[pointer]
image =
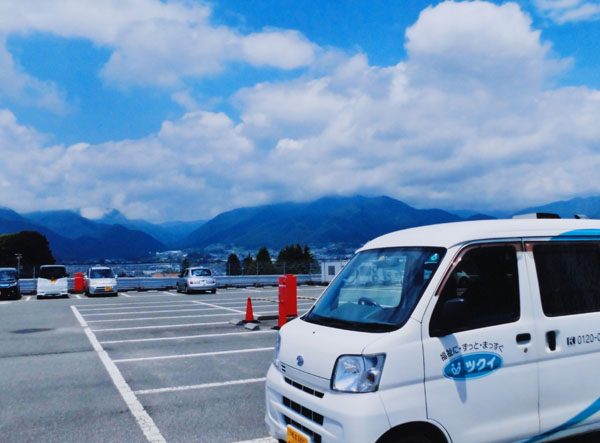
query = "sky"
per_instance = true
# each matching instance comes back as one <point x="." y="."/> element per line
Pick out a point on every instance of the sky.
<point x="183" y="109"/>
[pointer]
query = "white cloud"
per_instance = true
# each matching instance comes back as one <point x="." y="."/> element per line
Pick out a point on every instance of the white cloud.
<point x="564" y="11"/>
<point x="289" y="48"/>
<point x="18" y="86"/>
<point x="470" y="119"/>
<point x="478" y="44"/>
<point x="180" y="170"/>
<point x="155" y="42"/>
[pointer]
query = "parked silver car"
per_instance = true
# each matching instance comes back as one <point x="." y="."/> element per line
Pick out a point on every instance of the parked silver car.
<point x="196" y="279"/>
<point x="100" y="280"/>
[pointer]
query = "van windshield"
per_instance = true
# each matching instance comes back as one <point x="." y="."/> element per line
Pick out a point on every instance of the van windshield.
<point x="53" y="272"/>
<point x="102" y="273"/>
<point x="378" y="290"/>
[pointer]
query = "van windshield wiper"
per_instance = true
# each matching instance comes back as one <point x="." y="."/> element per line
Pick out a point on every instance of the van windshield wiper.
<point x="351" y="325"/>
<point x="328" y="321"/>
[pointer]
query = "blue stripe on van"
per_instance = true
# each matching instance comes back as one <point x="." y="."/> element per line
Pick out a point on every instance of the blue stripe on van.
<point x="579" y="418"/>
<point x="578" y="234"/>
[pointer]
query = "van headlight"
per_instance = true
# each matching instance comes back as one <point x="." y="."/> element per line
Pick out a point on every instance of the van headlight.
<point x="357" y="373"/>
<point x="276" y="352"/>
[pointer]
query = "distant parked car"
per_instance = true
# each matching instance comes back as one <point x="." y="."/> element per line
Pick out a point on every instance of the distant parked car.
<point x="196" y="279"/>
<point x="100" y="280"/>
<point x="9" y="283"/>
<point x="52" y="281"/>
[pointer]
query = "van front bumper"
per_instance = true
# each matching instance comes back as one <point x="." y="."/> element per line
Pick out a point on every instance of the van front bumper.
<point x="334" y="417"/>
<point x="103" y="290"/>
<point x="52" y="293"/>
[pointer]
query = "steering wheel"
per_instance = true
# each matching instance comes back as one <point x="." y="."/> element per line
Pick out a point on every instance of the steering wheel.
<point x="368" y="302"/>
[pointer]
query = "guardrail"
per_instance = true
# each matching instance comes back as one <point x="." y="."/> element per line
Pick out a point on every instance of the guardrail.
<point x="29" y="285"/>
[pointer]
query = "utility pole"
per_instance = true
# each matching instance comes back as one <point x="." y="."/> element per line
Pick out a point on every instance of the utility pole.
<point x="19" y="257"/>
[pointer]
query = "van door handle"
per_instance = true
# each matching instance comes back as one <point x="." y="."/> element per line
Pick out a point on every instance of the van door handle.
<point x="551" y="339"/>
<point x="523" y="338"/>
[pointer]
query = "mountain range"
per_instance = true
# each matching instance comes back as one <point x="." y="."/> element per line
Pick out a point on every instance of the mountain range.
<point x="348" y="221"/>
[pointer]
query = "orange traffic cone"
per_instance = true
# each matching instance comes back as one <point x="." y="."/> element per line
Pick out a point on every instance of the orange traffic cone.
<point x="249" y="313"/>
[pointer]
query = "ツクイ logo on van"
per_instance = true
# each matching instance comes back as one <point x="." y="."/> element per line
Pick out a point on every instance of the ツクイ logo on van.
<point x="478" y="364"/>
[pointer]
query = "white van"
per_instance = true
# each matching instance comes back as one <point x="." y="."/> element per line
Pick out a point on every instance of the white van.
<point x="52" y="281"/>
<point x="396" y="350"/>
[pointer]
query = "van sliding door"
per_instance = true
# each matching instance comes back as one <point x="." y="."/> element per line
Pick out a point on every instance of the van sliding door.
<point x="567" y="301"/>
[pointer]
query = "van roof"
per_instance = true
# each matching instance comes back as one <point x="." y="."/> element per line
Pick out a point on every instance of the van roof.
<point x="451" y="234"/>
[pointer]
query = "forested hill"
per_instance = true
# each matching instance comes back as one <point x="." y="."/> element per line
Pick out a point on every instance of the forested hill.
<point x="348" y="220"/>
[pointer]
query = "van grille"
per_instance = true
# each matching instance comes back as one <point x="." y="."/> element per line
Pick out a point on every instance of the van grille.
<point x="315" y="437"/>
<point x="303" y="388"/>
<point x="311" y="415"/>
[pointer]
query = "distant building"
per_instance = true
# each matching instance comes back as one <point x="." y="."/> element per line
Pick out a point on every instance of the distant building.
<point x="330" y="268"/>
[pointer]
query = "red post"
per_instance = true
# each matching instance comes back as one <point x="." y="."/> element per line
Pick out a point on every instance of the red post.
<point x="291" y="295"/>
<point x="78" y="282"/>
<point x="282" y="302"/>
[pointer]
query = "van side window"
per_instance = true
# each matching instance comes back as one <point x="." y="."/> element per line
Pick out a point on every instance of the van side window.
<point x="569" y="277"/>
<point x="486" y="283"/>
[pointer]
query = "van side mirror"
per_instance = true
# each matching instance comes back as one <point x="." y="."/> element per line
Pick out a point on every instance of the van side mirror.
<point x="453" y="316"/>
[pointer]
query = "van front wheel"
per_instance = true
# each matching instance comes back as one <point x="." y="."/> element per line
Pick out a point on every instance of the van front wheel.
<point x="405" y="439"/>
<point x="413" y="433"/>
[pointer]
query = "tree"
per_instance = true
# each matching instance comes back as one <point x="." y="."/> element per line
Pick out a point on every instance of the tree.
<point x="33" y="247"/>
<point x="293" y="259"/>
<point x="264" y="263"/>
<point x="185" y="264"/>
<point x="234" y="267"/>
<point x="248" y="265"/>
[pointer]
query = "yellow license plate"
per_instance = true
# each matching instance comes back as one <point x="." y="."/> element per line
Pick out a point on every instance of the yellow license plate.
<point x="295" y="436"/>
<point x="108" y="288"/>
<point x="52" y="281"/>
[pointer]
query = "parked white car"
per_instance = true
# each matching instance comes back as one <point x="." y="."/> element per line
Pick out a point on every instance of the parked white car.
<point x="52" y="281"/>
<point x="100" y="280"/>
<point x="196" y="279"/>
<point x="513" y="355"/>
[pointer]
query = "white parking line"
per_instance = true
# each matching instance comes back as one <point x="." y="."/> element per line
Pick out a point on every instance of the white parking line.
<point x="90" y="307"/>
<point x="240" y="302"/>
<point x="124" y="294"/>
<point x="151" y="312"/>
<point x="174" y="316"/>
<point x="126" y="306"/>
<point x="203" y="386"/>
<point x="220" y="307"/>
<point x="31" y="297"/>
<point x="200" y="354"/>
<point x="186" y="337"/>
<point x="144" y="420"/>
<point x="185" y="325"/>
<point x="260" y="440"/>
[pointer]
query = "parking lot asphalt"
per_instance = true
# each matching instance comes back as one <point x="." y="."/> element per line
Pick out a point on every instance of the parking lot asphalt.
<point x="143" y="366"/>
